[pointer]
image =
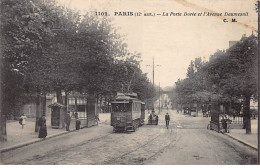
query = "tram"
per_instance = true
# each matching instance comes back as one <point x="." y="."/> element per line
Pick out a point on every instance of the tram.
<point x="127" y="113"/>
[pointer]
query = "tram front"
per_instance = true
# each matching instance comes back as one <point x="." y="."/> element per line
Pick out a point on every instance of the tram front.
<point x="120" y="113"/>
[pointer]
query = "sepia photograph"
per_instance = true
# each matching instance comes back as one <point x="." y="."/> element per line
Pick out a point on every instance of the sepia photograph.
<point x="129" y="82"/>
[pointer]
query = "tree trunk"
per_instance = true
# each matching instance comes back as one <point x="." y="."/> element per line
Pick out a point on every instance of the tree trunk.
<point x="97" y="105"/>
<point x="38" y="111"/>
<point x="100" y="103"/>
<point x="106" y="105"/>
<point x="62" y="111"/>
<point x="246" y="112"/>
<point x="3" y="134"/>
<point x="40" y="108"/>
<point x="43" y="104"/>
<point x="76" y="104"/>
<point x="66" y="101"/>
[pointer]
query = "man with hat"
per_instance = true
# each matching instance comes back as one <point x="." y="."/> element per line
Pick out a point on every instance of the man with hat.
<point x="167" y="119"/>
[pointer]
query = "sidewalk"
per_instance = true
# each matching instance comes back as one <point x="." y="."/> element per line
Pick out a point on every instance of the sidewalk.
<point x="240" y="135"/>
<point x="247" y="139"/>
<point x="18" y="137"/>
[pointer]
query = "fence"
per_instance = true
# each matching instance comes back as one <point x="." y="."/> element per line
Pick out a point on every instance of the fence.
<point x="237" y="122"/>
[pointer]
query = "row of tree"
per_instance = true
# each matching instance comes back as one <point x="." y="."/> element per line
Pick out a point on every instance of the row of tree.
<point x="48" y="48"/>
<point x="230" y="74"/>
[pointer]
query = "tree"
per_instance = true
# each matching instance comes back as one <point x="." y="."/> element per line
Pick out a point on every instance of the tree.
<point x="50" y="48"/>
<point x="191" y="70"/>
<point x="233" y="73"/>
<point x="97" y="41"/>
<point x="22" y="29"/>
<point x="243" y="73"/>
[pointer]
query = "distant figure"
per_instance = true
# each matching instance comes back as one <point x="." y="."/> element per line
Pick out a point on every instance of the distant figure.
<point x="76" y="115"/>
<point x="150" y="119"/>
<point x="22" y="120"/>
<point x="167" y="119"/>
<point x="254" y="116"/>
<point x="77" y="121"/>
<point x="156" y="119"/>
<point x="234" y="115"/>
<point x="153" y="112"/>
<point x="43" y="128"/>
<point x="224" y="124"/>
<point x="97" y="119"/>
<point x="67" y="121"/>
<point x="228" y="122"/>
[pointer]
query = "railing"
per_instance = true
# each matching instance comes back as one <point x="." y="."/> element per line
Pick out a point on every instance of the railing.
<point x="236" y="119"/>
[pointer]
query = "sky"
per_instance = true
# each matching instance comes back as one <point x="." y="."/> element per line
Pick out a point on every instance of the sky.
<point x="174" y="41"/>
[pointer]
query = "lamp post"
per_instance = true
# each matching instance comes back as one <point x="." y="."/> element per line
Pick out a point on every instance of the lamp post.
<point x="153" y="76"/>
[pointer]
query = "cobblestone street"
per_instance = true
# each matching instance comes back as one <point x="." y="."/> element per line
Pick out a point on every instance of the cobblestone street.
<point x="187" y="141"/>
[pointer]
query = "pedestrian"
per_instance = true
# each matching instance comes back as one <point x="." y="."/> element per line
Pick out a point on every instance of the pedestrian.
<point x="97" y="119"/>
<point x="234" y="115"/>
<point x="22" y="120"/>
<point x="223" y="122"/>
<point x="150" y="119"/>
<point x="228" y="122"/>
<point x="77" y="121"/>
<point x="226" y="119"/>
<point x="76" y="115"/>
<point x="43" y="128"/>
<point x="167" y="119"/>
<point x="156" y="119"/>
<point x="67" y="121"/>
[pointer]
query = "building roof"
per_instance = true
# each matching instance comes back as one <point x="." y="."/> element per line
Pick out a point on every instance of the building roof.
<point x="56" y="105"/>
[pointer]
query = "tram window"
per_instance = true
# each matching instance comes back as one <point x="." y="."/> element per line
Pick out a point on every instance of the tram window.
<point x="120" y="107"/>
<point x="81" y="107"/>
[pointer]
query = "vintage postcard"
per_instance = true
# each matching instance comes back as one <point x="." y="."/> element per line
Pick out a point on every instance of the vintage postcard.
<point x="129" y="82"/>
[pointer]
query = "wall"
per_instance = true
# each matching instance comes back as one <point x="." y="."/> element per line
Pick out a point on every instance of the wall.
<point x="29" y="110"/>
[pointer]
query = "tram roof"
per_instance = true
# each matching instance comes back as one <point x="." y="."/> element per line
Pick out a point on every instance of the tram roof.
<point x="126" y="98"/>
<point x="120" y="102"/>
<point x="126" y="101"/>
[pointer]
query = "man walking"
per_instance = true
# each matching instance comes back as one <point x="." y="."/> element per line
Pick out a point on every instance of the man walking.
<point x="167" y="119"/>
<point x="67" y="121"/>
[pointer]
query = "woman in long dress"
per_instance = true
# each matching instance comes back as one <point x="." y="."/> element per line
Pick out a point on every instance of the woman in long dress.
<point x="43" y="128"/>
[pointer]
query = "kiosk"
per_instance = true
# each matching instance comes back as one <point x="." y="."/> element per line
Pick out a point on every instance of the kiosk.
<point x="57" y="115"/>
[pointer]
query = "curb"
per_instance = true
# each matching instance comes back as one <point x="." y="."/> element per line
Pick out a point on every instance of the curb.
<point x="36" y="140"/>
<point x="246" y="144"/>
